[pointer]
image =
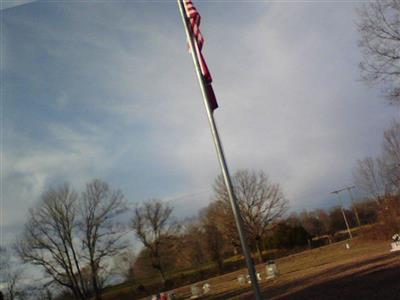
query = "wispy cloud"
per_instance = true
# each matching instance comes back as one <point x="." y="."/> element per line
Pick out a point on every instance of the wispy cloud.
<point x="108" y="90"/>
<point x="69" y="155"/>
<point x="6" y="4"/>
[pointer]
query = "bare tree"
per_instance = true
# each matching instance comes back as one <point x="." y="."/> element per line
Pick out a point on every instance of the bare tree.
<point x="212" y="235"/>
<point x="337" y="222"/>
<point x="48" y="240"/>
<point x="368" y="211"/>
<point x="10" y="276"/>
<point x="379" y="29"/>
<point x="123" y="264"/>
<point x="311" y="223"/>
<point x="378" y="177"/>
<point x="193" y="245"/>
<point x="45" y="294"/>
<point x="214" y="244"/>
<point x="293" y="219"/>
<point x="220" y="214"/>
<point x="369" y="178"/>
<point x="324" y="220"/>
<point x="260" y="201"/>
<point x="71" y="237"/>
<point x="99" y="208"/>
<point x="154" y="226"/>
<point x="42" y="292"/>
<point x="390" y="158"/>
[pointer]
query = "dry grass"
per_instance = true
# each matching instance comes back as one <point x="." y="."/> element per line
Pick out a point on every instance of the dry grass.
<point x="297" y="272"/>
<point x="298" y="267"/>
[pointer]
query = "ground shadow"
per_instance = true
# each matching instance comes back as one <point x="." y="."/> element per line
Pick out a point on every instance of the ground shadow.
<point x="374" y="278"/>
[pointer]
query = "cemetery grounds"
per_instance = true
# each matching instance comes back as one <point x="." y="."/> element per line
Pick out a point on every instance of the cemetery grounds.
<point x="368" y="270"/>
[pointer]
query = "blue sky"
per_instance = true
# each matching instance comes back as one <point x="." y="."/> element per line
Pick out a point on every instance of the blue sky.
<point x="107" y="90"/>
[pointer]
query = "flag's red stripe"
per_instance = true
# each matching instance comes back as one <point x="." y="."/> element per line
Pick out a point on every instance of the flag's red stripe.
<point x="194" y="19"/>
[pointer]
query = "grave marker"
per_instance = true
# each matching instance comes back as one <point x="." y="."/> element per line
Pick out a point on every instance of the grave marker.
<point x="206" y="288"/>
<point x="272" y="271"/>
<point x="396" y="243"/>
<point x="195" y="291"/>
<point x="241" y="280"/>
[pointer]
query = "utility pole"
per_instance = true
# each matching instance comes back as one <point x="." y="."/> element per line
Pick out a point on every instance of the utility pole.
<point x="349" y="188"/>
<point x="343" y="213"/>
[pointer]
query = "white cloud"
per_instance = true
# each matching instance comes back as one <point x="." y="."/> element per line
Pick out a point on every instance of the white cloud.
<point x="286" y="81"/>
<point x="290" y="103"/>
<point x="13" y="3"/>
<point x="75" y="157"/>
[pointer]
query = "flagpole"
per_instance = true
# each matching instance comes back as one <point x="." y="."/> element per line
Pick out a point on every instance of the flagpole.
<point x="220" y="153"/>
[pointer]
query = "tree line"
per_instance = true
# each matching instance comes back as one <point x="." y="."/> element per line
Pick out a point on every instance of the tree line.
<point x="380" y="176"/>
<point x="211" y="236"/>
<point x="79" y="240"/>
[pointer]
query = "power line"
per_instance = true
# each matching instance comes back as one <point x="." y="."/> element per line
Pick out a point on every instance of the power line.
<point x="180" y="197"/>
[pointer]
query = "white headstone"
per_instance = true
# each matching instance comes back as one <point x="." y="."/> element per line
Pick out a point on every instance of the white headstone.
<point x="272" y="271"/>
<point x="206" y="288"/>
<point x="396" y="242"/>
<point x="258" y="276"/>
<point x="171" y="296"/>
<point x="395" y="247"/>
<point x="241" y="280"/>
<point x="195" y="291"/>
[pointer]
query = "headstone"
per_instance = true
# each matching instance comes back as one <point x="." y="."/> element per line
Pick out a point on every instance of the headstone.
<point x="171" y="296"/>
<point x="195" y="291"/>
<point x="206" y="288"/>
<point x="241" y="280"/>
<point x="271" y="269"/>
<point x="395" y="243"/>
<point x="258" y="276"/>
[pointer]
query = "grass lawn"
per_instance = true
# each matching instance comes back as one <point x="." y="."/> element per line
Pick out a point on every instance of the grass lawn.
<point x="297" y="272"/>
<point x="293" y="268"/>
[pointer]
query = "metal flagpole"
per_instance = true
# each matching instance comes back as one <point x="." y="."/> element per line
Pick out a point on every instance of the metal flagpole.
<point x="221" y="157"/>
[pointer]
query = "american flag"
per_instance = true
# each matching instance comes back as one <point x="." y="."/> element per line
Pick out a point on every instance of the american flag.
<point x="194" y="19"/>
